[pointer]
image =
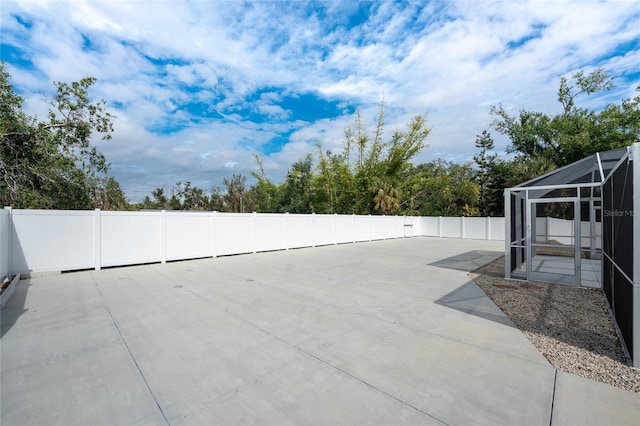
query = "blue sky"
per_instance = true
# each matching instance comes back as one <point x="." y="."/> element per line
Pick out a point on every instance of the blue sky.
<point x="198" y="87"/>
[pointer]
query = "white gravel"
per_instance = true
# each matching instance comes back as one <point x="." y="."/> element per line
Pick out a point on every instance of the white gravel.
<point x="572" y="327"/>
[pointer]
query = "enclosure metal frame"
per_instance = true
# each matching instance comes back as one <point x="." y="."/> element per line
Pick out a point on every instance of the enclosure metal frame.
<point x="635" y="157"/>
<point x="532" y="194"/>
<point x="524" y="237"/>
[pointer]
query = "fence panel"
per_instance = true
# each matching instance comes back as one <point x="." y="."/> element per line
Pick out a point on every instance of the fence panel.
<point x="497" y="228"/>
<point x="542" y="233"/>
<point x="5" y="233"/>
<point x="233" y="233"/>
<point x="270" y="232"/>
<point x="188" y="235"/>
<point x="362" y="228"/>
<point x="376" y="227"/>
<point x="411" y="226"/>
<point x="429" y="226"/>
<point x="451" y="227"/>
<point x="585" y="233"/>
<point x="129" y="238"/>
<point x="45" y="240"/>
<point x="345" y="231"/>
<point x="324" y="229"/>
<point x="299" y="230"/>
<point x="561" y="230"/>
<point x="475" y="228"/>
<point x="391" y="227"/>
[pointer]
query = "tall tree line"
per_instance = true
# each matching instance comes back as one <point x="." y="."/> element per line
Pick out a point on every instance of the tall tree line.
<point x="51" y="163"/>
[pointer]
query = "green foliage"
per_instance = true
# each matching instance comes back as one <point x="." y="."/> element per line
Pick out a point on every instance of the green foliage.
<point x="108" y="195"/>
<point x="575" y="133"/>
<point x="296" y="193"/>
<point x="372" y="179"/>
<point x="374" y="176"/>
<point x="52" y="164"/>
<point x="181" y="196"/>
<point x="265" y="194"/>
<point x="486" y="162"/>
<point x="443" y="188"/>
<point x="544" y="142"/>
<point x="236" y="200"/>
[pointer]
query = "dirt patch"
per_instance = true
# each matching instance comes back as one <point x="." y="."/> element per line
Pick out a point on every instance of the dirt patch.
<point x="5" y="284"/>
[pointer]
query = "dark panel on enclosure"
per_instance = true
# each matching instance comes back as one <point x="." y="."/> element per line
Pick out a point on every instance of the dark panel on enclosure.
<point x="617" y="243"/>
<point x="622" y="215"/>
<point x="623" y="300"/>
<point x="607" y="279"/>
<point x="607" y="248"/>
<point x="607" y="220"/>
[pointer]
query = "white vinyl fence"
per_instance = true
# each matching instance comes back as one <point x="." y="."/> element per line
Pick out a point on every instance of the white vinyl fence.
<point x="61" y="240"/>
<point x="475" y="228"/>
<point x="562" y="230"/>
<point x="5" y="243"/>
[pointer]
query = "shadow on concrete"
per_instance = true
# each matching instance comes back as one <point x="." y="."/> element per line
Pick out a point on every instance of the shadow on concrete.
<point x="470" y="299"/>
<point x="578" y="317"/>
<point x="14" y="307"/>
<point x="468" y="261"/>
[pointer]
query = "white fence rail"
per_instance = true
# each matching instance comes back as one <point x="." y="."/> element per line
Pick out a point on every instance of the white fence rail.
<point x="478" y="228"/>
<point x="51" y="240"/>
<point x="562" y="230"/>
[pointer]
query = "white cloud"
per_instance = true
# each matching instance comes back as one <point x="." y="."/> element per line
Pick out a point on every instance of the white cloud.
<point x="450" y="60"/>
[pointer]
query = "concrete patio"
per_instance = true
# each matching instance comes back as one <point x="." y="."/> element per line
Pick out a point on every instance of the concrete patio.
<point x="387" y="332"/>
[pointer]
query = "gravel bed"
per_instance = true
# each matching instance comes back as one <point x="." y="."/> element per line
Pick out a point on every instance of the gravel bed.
<point x="572" y="327"/>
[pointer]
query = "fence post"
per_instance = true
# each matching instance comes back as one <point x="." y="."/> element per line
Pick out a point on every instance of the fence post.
<point x="353" y="226"/>
<point x="253" y="231"/>
<point x="286" y="230"/>
<point x="439" y="226"/>
<point x="488" y="228"/>
<point x="370" y="239"/>
<point x="10" y="241"/>
<point x="163" y="237"/>
<point x="97" y="239"/>
<point x="546" y="230"/>
<point x="335" y="229"/>
<point x="462" y="227"/>
<point x="313" y="229"/>
<point x="214" y="225"/>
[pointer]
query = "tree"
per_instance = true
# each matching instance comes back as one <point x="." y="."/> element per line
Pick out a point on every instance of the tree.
<point x="373" y="179"/>
<point x="333" y="185"/>
<point x="489" y="187"/>
<point x="52" y="164"/>
<point x="597" y="81"/>
<point x="296" y="189"/>
<point x="576" y="132"/>
<point x="266" y="195"/>
<point x="235" y="199"/>
<point x="184" y="196"/>
<point x="443" y="188"/>
<point x="109" y="195"/>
